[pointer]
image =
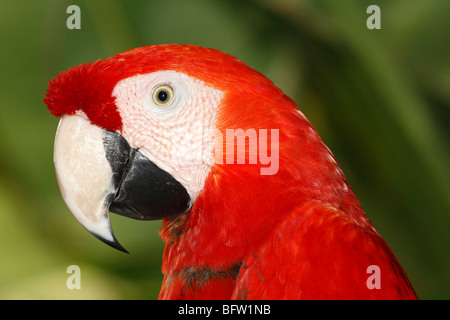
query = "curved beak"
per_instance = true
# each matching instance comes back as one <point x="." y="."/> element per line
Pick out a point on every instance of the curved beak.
<point x="98" y="172"/>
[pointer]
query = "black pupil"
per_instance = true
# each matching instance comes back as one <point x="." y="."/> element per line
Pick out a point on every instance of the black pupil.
<point x="162" y="95"/>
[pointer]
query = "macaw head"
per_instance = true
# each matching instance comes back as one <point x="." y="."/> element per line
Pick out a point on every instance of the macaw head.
<point x="154" y="132"/>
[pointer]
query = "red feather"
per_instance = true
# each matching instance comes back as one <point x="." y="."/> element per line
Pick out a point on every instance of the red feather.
<point x="318" y="252"/>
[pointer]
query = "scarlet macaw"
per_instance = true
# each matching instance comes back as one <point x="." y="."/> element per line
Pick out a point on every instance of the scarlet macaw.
<point x="254" y="204"/>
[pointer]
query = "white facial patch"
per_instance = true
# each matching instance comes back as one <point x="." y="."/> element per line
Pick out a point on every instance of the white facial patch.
<point x="177" y="137"/>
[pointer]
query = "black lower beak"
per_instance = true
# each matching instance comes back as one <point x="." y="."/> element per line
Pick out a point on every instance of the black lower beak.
<point x="143" y="190"/>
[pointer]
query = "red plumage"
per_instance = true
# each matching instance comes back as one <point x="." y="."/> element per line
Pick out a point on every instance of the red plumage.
<point x="298" y="234"/>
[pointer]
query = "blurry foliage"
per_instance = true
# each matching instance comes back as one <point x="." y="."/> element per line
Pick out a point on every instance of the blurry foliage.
<point x="379" y="98"/>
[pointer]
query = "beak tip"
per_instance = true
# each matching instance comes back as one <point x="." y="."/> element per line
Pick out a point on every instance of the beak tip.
<point x="101" y="229"/>
<point x="112" y="243"/>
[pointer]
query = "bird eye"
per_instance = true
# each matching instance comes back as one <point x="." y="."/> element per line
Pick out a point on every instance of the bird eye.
<point x="163" y="95"/>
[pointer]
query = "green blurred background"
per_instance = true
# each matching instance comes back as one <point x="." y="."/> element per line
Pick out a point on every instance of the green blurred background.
<point x="380" y="99"/>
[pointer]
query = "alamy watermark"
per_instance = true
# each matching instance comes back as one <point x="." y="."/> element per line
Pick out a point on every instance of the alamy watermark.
<point x="74" y="280"/>
<point x="74" y="20"/>
<point x="234" y="149"/>
<point x="374" y="280"/>
<point x="374" y="20"/>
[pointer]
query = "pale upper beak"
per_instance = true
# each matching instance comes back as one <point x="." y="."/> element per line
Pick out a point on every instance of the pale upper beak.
<point x="98" y="172"/>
